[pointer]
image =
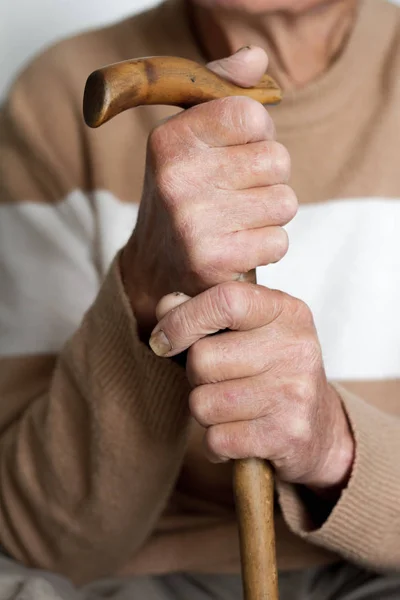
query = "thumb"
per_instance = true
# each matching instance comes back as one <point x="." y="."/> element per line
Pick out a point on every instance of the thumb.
<point x="170" y="302"/>
<point x="244" y="68"/>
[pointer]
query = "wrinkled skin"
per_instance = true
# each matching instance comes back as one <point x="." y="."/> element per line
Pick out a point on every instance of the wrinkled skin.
<point x="216" y="198"/>
<point x="260" y="389"/>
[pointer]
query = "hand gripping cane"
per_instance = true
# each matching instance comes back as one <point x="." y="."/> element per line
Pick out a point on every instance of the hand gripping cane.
<point x="184" y="83"/>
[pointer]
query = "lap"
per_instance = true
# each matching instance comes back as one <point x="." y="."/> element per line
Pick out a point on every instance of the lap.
<point x="20" y="583"/>
<point x="341" y="581"/>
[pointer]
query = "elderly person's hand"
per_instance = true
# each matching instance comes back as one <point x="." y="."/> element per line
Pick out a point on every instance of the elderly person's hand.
<point x="215" y="196"/>
<point x="260" y="389"/>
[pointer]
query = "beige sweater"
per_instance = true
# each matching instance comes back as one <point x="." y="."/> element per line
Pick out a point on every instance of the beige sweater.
<point x="101" y="468"/>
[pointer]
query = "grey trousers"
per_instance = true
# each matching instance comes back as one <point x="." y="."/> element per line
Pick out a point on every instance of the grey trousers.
<point x="340" y="581"/>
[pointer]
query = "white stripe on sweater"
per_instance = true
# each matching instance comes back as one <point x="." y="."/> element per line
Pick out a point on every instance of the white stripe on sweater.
<point x="344" y="261"/>
<point x="52" y="259"/>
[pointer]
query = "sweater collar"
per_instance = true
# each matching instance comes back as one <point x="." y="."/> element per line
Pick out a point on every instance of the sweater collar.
<point x="359" y="61"/>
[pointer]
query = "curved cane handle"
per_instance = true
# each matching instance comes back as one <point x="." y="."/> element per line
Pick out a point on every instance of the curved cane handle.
<point x="161" y="80"/>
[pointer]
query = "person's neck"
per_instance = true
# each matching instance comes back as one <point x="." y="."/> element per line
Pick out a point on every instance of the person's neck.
<point x="301" y="47"/>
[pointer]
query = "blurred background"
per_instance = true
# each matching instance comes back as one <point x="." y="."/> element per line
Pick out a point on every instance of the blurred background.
<point x="28" y="25"/>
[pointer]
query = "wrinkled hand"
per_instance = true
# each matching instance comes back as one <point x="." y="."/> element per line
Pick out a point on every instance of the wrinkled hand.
<point x="260" y="389"/>
<point x="215" y="198"/>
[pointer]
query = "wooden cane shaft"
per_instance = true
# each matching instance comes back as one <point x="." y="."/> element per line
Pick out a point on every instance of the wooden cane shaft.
<point x="180" y="82"/>
<point x="254" y="497"/>
<point x="253" y="484"/>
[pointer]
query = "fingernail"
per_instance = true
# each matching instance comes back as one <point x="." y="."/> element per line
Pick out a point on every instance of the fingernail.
<point x="160" y="344"/>
<point x="243" y="48"/>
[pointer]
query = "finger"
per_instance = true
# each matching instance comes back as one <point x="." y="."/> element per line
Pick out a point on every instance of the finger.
<point x="275" y="437"/>
<point x="244" y="68"/>
<point x="234" y="355"/>
<point x="230" y="121"/>
<point x="249" y="166"/>
<point x="242" y="400"/>
<point x="170" y="302"/>
<point x="275" y="205"/>
<point x="237" y="253"/>
<point x="225" y="122"/>
<point x="257" y="247"/>
<point x="231" y="305"/>
<point x="243" y="439"/>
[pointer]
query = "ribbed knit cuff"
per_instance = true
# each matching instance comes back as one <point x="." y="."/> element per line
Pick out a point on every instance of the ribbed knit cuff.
<point x="364" y="525"/>
<point x="125" y="370"/>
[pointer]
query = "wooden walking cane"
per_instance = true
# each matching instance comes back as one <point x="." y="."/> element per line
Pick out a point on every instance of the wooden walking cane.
<point x="183" y="83"/>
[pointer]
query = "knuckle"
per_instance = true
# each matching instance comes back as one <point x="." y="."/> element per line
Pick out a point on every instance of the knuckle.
<point x="248" y="115"/>
<point x="303" y="309"/>
<point x="231" y="300"/>
<point x="281" y="162"/>
<point x="299" y="430"/>
<point x="170" y="184"/>
<point x="298" y="416"/>
<point x="299" y="392"/>
<point x="306" y="351"/>
<point x="199" y="405"/>
<point x="158" y="140"/>
<point x="199" y="360"/>
<point x="279" y="244"/>
<point x="287" y="203"/>
<point x="170" y="137"/>
<point x="257" y="118"/>
<point x="300" y="311"/>
<point x="217" y="442"/>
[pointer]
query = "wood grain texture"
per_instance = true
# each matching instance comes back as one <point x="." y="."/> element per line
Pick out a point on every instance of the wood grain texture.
<point x="161" y="80"/>
<point x="254" y="496"/>
<point x="180" y="82"/>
